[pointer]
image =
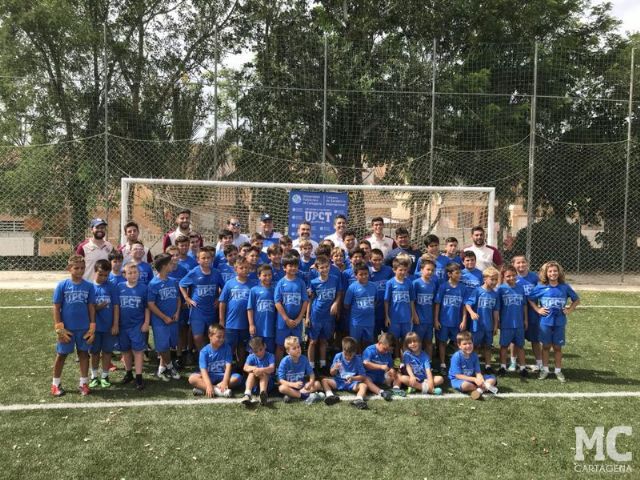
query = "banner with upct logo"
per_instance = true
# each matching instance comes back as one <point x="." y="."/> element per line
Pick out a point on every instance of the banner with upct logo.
<point x="317" y="208"/>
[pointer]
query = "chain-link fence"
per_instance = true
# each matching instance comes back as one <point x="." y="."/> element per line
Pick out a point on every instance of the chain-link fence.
<point x="553" y="129"/>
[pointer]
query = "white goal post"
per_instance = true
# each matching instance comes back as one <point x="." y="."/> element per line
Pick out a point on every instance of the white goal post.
<point x="443" y="211"/>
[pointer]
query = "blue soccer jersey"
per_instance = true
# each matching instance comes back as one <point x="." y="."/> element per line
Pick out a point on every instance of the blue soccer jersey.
<point x="236" y="295"/>
<point x="267" y="359"/>
<point x="471" y="278"/>
<point x="188" y="263"/>
<point x="379" y="278"/>
<point x="178" y="273"/>
<point x="215" y="361"/>
<point x="451" y="301"/>
<point x="146" y="273"/>
<point x="420" y="363"/>
<point x="227" y="272"/>
<point x="105" y="293"/>
<point x="371" y="354"/>
<point x="116" y="279"/>
<point x="361" y="298"/>
<point x="292" y="371"/>
<point x="554" y="299"/>
<point x="528" y="283"/>
<point x="277" y="274"/>
<point x="164" y="294"/>
<point x="512" y="304"/>
<point x="204" y="291"/>
<point x="324" y="294"/>
<point x="133" y="302"/>
<point x="399" y="296"/>
<point x="348" y="277"/>
<point x="334" y="272"/>
<point x="484" y="302"/>
<point x="74" y="300"/>
<point x="349" y="368"/>
<point x="461" y="365"/>
<point x="425" y="293"/>
<point x="305" y="269"/>
<point x="264" y="311"/>
<point x="291" y="294"/>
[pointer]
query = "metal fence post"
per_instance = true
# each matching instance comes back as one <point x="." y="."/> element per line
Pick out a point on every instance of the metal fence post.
<point x="215" y="103"/>
<point x="433" y="113"/>
<point x="324" y="110"/>
<point x="532" y="150"/>
<point x="106" y="121"/>
<point x="627" y="170"/>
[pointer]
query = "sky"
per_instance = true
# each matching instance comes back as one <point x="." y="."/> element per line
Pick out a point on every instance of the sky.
<point x="629" y="12"/>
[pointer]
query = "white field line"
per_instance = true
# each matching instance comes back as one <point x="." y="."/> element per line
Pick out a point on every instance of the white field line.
<point x="226" y="401"/>
<point x="35" y="307"/>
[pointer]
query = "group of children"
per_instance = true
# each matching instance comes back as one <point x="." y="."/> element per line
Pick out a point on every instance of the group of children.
<point x="381" y="318"/>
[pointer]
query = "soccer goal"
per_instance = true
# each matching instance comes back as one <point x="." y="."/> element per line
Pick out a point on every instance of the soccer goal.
<point x="423" y="210"/>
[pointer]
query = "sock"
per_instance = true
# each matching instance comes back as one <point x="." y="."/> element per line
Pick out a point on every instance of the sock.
<point x="360" y="397"/>
<point x="56" y="381"/>
<point x="169" y="365"/>
<point x="503" y="365"/>
<point x="328" y="392"/>
<point x="105" y="374"/>
<point x="323" y="363"/>
<point x="479" y="390"/>
<point x="94" y="373"/>
<point x="443" y="365"/>
<point x="247" y="392"/>
<point x="161" y="369"/>
<point x="523" y="367"/>
<point x="557" y="370"/>
<point x="546" y="369"/>
<point x="129" y="373"/>
<point x="513" y="359"/>
<point x="83" y="381"/>
<point x="539" y="363"/>
<point x="138" y="378"/>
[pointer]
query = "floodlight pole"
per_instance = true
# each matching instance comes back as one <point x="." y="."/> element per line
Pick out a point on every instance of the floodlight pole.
<point x="627" y="169"/>
<point x="433" y="113"/>
<point x="106" y="117"/>
<point x="215" y="103"/>
<point x="324" y="110"/>
<point x="532" y="153"/>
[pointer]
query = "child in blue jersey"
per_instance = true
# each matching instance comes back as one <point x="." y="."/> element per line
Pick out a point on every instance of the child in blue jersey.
<point x="74" y="321"/>
<point x="513" y="320"/>
<point x="339" y="259"/>
<point x="225" y="238"/>
<point x="227" y="268"/>
<point x="184" y="260"/>
<point x="448" y="310"/>
<point x="138" y="255"/>
<point x="253" y="259"/>
<point x="257" y="240"/>
<point x="107" y="322"/>
<point x="233" y="310"/>
<point x="549" y="299"/>
<point x="290" y="297"/>
<point x="164" y="303"/>
<point x="349" y="375"/>
<point x="259" y="367"/>
<point x="465" y="374"/>
<point x="349" y="274"/>
<point x="528" y="280"/>
<point x="379" y="274"/>
<point x="399" y="303"/>
<point x="200" y="289"/>
<point x="359" y="303"/>
<point x="293" y="370"/>
<point x="322" y="311"/>
<point x="215" y="377"/>
<point x="483" y="307"/>
<point x="471" y="276"/>
<point x="115" y="275"/>
<point x="378" y="361"/>
<point x="274" y="253"/>
<point x="134" y="323"/>
<point x="261" y="310"/>
<point x="425" y="289"/>
<point x="418" y="368"/>
<point x="177" y="273"/>
<point x="307" y="258"/>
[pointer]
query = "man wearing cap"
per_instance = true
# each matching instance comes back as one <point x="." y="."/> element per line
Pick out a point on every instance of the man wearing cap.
<point x="183" y="227"/>
<point x="266" y="230"/>
<point x="94" y="248"/>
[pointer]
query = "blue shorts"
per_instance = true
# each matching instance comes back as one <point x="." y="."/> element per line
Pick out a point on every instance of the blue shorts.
<point x="552" y="335"/>
<point x="483" y="337"/>
<point x="165" y="336"/>
<point x="447" y="333"/>
<point x="533" y="330"/>
<point x="270" y="386"/>
<point x="217" y="378"/>
<point x="379" y="325"/>
<point x="361" y="334"/>
<point x="132" y="339"/>
<point x="424" y="331"/>
<point x="343" y="386"/>
<point x="103" y="342"/>
<point x="399" y="330"/>
<point x="512" y="335"/>
<point x="77" y="341"/>
<point x="235" y="337"/>
<point x="457" y="383"/>
<point x="322" y="330"/>
<point x="199" y="324"/>
<point x="281" y="334"/>
<point x="183" y="321"/>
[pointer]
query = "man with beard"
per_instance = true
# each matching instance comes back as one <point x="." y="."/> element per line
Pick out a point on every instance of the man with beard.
<point x="94" y="248"/>
<point x="183" y="227"/>
<point x="404" y="246"/>
<point x="304" y="233"/>
<point x="271" y="237"/>
<point x="486" y="255"/>
<point x="340" y="226"/>
<point x="131" y="234"/>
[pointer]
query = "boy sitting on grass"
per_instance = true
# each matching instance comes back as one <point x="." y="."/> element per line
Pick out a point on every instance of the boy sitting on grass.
<point x="259" y="367"/>
<point x="292" y="372"/>
<point x="465" y="374"/>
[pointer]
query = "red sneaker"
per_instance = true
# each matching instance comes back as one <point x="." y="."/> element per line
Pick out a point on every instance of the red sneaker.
<point x="84" y="390"/>
<point x="112" y="367"/>
<point x="57" y="391"/>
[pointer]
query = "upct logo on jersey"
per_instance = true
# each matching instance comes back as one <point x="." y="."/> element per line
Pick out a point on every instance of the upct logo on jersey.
<point x="103" y="299"/>
<point x="512" y="299"/>
<point x="167" y="293"/>
<point x="217" y="366"/>
<point x="296" y="198"/>
<point x="76" y="296"/>
<point x="365" y="302"/>
<point x="401" y="296"/>
<point x="326" y="294"/>
<point x="265" y="306"/>
<point x="486" y="302"/>
<point x="130" y="301"/>
<point x="552" y="302"/>
<point x="206" y="290"/>
<point x="239" y="294"/>
<point x="527" y="287"/>
<point x="295" y="376"/>
<point x="226" y="276"/>
<point x="291" y="298"/>
<point x="424" y="298"/>
<point x="451" y="301"/>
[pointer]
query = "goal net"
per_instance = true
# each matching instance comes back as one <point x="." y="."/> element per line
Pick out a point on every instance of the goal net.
<point x="443" y="211"/>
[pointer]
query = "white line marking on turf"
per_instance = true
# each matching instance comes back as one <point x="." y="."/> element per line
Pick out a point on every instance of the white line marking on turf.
<point x="27" y="307"/>
<point x="226" y="401"/>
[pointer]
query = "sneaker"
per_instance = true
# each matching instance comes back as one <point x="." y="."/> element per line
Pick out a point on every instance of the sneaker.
<point x="104" y="383"/>
<point x="488" y="369"/>
<point x="264" y="398"/>
<point x="398" y="392"/>
<point x="491" y="388"/>
<point x="543" y="374"/>
<point x="246" y="400"/>
<point x="502" y="371"/>
<point x="57" y="391"/>
<point x="164" y="375"/>
<point x="360" y="404"/>
<point x="437" y="391"/>
<point x="173" y="373"/>
<point x="112" y="367"/>
<point x="178" y="363"/>
<point x="140" y="386"/>
<point x="287" y="399"/>
<point x="476" y="395"/>
<point x="331" y="400"/>
<point x="512" y="367"/>
<point x="443" y="368"/>
<point x="425" y="388"/>
<point x="314" y="398"/>
<point x="386" y="395"/>
<point x="535" y="368"/>
<point x="524" y="373"/>
<point x="198" y="392"/>
<point x="84" y="390"/>
<point x="128" y="378"/>
<point x="560" y="377"/>
<point x="94" y="383"/>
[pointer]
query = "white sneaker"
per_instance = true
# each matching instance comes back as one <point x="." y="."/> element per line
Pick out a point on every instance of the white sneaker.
<point x="220" y="393"/>
<point x="512" y="367"/>
<point x="491" y="388"/>
<point x="425" y="388"/>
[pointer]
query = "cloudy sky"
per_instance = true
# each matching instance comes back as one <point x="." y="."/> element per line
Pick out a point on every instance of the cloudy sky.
<point x="629" y="12"/>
